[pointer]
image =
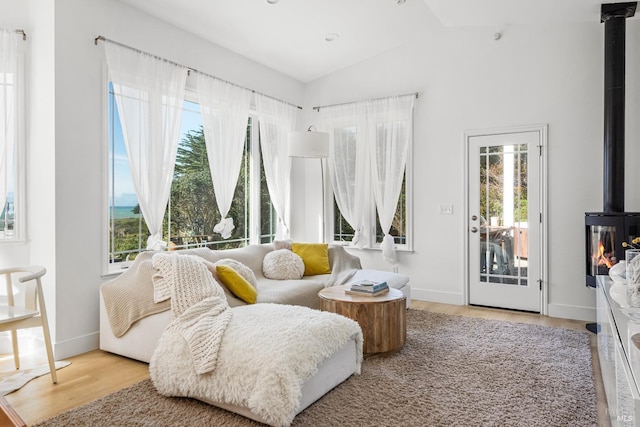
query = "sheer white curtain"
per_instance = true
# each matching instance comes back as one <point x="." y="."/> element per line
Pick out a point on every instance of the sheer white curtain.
<point x="369" y="145"/>
<point x="225" y="113"/>
<point x="391" y="122"/>
<point x="348" y="164"/>
<point x="149" y="94"/>
<point x="277" y="119"/>
<point x="9" y="109"/>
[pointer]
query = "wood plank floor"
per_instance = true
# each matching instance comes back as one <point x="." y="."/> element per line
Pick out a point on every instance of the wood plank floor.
<point x="89" y="377"/>
<point x="97" y="373"/>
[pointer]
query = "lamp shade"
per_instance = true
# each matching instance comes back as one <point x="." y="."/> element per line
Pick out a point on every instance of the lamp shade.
<point x="309" y="144"/>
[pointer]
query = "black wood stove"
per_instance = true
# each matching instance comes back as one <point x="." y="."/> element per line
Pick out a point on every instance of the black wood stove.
<point x="606" y="231"/>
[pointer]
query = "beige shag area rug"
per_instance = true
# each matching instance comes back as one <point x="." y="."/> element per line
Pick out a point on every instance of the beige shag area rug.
<point x="452" y="371"/>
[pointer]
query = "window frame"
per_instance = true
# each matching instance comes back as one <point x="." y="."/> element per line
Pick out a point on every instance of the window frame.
<point x="255" y="161"/>
<point x="371" y="220"/>
<point x="19" y="160"/>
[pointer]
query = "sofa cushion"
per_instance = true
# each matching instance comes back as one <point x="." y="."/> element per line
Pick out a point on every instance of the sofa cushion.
<point x="315" y="257"/>
<point x="292" y="292"/>
<point x="240" y="268"/>
<point x="251" y="256"/>
<point x="268" y="354"/>
<point x="282" y="264"/>
<point x="236" y="283"/>
<point x="282" y="244"/>
<point x="394" y="280"/>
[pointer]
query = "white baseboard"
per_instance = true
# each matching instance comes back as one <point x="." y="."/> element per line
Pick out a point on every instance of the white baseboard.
<point x="437" y="296"/>
<point x="31" y="341"/>
<point x="586" y="314"/>
<point x="28" y="342"/>
<point x="77" y="345"/>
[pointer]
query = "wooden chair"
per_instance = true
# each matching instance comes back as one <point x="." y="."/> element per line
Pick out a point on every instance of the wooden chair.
<point x="32" y="314"/>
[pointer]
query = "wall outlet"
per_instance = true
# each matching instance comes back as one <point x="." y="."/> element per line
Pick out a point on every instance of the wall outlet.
<point x="446" y="209"/>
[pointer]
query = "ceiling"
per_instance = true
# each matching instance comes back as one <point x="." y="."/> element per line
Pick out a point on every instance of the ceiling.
<point x="289" y="36"/>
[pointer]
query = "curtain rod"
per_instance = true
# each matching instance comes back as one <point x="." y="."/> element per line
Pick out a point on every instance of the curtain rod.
<point x="353" y="102"/>
<point x="190" y="70"/>
<point x="24" y="35"/>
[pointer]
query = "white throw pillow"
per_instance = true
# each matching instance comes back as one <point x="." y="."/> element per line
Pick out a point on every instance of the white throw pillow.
<point x="282" y="244"/>
<point x="282" y="265"/>
<point x="240" y="268"/>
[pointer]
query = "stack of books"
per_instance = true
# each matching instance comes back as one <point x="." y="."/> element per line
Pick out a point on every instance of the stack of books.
<point x="368" y="288"/>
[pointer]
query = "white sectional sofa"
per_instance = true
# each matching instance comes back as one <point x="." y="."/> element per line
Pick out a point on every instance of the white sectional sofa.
<point x="133" y="325"/>
<point x="148" y="320"/>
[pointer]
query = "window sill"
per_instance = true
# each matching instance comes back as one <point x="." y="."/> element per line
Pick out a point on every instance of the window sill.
<point x="115" y="271"/>
<point x="20" y="241"/>
<point x="111" y="275"/>
<point x="347" y="245"/>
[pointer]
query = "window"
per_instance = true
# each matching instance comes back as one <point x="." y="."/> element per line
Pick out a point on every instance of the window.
<point x="343" y="232"/>
<point x="268" y="215"/>
<point x="12" y="215"/>
<point x="370" y="171"/>
<point x="192" y="210"/>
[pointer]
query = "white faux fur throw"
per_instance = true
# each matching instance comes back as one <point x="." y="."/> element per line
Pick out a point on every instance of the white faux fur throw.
<point x="200" y="309"/>
<point x="267" y="353"/>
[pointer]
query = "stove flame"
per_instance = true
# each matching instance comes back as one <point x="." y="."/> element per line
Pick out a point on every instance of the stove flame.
<point x="603" y="258"/>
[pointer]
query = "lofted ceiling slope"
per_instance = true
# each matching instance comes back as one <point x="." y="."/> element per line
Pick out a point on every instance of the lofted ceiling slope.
<point x="289" y="36"/>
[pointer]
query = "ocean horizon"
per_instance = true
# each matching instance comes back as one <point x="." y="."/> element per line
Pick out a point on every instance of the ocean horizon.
<point x="122" y="212"/>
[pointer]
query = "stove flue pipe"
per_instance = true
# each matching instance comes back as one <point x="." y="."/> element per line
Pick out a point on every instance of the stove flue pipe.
<point x="614" y="16"/>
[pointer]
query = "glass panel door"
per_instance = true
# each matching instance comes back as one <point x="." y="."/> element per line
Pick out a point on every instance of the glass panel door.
<point x="503" y="191"/>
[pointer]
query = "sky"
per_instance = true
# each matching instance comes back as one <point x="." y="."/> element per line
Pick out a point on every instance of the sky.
<point x="124" y="192"/>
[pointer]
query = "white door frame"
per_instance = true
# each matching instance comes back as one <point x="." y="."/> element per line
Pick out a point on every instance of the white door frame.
<point x="542" y="129"/>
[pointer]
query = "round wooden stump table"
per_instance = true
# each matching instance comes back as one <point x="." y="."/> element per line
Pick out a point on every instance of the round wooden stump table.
<point x="383" y="318"/>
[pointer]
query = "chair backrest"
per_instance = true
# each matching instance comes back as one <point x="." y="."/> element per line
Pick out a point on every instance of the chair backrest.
<point x="30" y="275"/>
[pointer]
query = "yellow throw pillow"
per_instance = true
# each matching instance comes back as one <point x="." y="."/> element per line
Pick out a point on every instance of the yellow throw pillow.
<point x="315" y="257"/>
<point x="237" y="284"/>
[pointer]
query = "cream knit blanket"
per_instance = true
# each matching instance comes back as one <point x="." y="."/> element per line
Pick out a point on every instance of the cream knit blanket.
<point x="130" y="296"/>
<point x="200" y="309"/>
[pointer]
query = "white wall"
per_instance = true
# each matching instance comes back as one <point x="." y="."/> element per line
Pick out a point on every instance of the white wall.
<point x="467" y="80"/>
<point x="41" y="151"/>
<point x="67" y="146"/>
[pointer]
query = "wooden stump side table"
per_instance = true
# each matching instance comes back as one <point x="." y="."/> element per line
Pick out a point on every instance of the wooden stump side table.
<point x="382" y="318"/>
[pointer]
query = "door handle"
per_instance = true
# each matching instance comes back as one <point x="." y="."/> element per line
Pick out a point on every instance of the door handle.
<point x="474" y="229"/>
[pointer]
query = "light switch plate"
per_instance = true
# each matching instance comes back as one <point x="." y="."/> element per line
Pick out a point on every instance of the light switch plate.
<point x="446" y="209"/>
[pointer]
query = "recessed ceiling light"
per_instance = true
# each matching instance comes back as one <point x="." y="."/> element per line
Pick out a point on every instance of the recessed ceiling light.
<point x="272" y="1"/>
<point x="331" y="37"/>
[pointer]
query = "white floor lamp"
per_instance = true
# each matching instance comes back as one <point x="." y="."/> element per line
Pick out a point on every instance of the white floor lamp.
<point x="311" y="144"/>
